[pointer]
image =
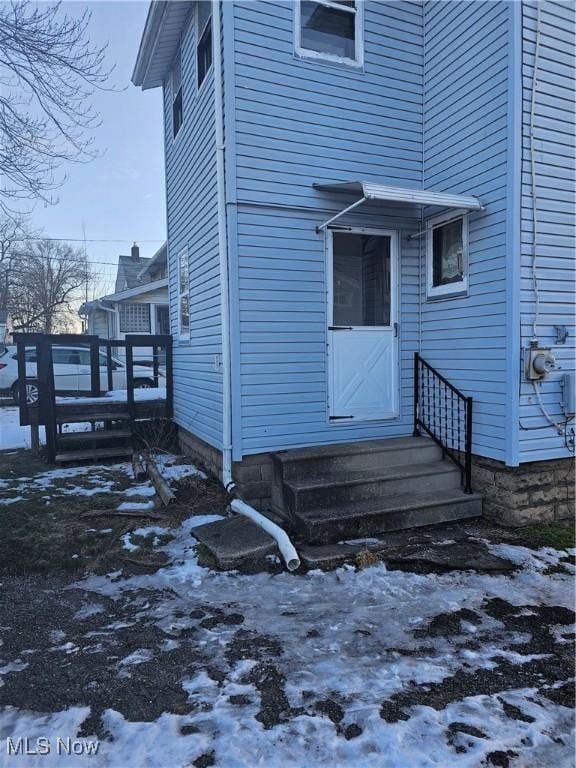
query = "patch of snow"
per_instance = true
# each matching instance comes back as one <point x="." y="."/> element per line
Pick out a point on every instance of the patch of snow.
<point x="12" y="435"/>
<point x="12" y="666"/>
<point x="127" y="543"/>
<point x="90" y="609"/>
<point x="134" y="506"/>
<point x="79" y="490"/>
<point x="139" y="656"/>
<point x="117" y="396"/>
<point x="12" y="500"/>
<point x="172" y="471"/>
<point x="146" y="489"/>
<point x="67" y="648"/>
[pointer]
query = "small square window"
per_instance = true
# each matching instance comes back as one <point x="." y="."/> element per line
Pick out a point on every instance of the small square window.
<point x="204" y="47"/>
<point x="446" y="247"/>
<point x="177" y="111"/>
<point x="329" y="29"/>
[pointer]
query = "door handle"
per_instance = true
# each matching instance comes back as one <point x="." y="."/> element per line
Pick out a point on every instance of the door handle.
<point x="396" y="326"/>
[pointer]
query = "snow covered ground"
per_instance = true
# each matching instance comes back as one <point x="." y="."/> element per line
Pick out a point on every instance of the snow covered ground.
<point x="13" y="436"/>
<point x="366" y="668"/>
<point x="118" y="396"/>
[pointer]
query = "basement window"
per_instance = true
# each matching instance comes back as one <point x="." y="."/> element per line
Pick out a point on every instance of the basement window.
<point x="446" y="257"/>
<point x="330" y="29"/>
<point x="183" y="295"/>
<point x="204" y="47"/>
<point x="177" y="112"/>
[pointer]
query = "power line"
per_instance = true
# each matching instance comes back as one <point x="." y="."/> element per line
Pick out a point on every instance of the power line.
<point x="80" y="240"/>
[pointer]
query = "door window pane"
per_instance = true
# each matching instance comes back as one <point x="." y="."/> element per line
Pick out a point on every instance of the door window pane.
<point x="361" y="280"/>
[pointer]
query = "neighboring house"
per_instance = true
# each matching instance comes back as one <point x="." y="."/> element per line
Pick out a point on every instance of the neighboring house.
<point x="349" y="183"/>
<point x="139" y="303"/>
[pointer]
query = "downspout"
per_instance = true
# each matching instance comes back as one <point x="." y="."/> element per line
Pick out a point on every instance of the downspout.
<point x="227" y="480"/>
<point x="237" y="505"/>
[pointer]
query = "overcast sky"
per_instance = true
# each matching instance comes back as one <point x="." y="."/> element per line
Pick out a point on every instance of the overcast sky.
<point x="120" y="195"/>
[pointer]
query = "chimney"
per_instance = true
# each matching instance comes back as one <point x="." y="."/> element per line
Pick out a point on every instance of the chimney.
<point x="135" y="252"/>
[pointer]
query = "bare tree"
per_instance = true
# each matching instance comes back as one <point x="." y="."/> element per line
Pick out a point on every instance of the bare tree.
<point x="47" y="283"/>
<point x="13" y="229"/>
<point x="48" y="74"/>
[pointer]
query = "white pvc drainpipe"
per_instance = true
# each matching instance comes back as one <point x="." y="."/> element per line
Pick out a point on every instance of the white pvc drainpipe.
<point x="284" y="544"/>
<point x="222" y="249"/>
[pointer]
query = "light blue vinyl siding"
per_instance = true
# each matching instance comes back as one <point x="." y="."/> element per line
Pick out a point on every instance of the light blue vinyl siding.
<point x="555" y="254"/>
<point x="192" y="223"/>
<point x="465" y="151"/>
<point x="282" y="282"/>
<point x="299" y="122"/>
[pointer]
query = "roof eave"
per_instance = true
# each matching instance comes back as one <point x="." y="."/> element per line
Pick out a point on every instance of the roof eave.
<point x="152" y="26"/>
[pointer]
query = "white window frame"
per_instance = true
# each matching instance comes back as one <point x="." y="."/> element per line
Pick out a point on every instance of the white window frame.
<point x="183" y="292"/>
<point x="306" y="53"/>
<point x="451" y="290"/>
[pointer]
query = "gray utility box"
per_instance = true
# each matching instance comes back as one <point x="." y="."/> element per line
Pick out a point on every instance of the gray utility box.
<point x="569" y="394"/>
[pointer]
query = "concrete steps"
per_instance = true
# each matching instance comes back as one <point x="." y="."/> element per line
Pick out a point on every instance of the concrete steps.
<point x="382" y="515"/>
<point x="335" y="492"/>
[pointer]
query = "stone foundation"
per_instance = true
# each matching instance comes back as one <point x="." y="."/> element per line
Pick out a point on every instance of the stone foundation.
<point x="253" y="475"/>
<point x="536" y="492"/>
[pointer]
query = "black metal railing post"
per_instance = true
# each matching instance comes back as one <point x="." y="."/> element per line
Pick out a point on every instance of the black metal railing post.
<point x="468" y="454"/>
<point x="416" y="431"/>
<point x="450" y="427"/>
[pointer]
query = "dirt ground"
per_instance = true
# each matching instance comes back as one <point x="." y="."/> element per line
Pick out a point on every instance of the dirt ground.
<point x="87" y="621"/>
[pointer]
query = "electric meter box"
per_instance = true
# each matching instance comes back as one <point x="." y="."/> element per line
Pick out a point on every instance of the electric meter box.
<point x="569" y="394"/>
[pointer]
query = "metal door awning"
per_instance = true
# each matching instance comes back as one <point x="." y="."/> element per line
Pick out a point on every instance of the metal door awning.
<point x="423" y="197"/>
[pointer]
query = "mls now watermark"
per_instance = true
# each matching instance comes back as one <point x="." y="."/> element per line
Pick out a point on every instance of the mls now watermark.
<point x="47" y="746"/>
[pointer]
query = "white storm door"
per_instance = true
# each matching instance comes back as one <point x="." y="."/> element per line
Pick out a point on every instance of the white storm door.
<point x="362" y="328"/>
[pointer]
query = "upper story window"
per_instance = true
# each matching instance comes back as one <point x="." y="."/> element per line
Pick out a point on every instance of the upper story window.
<point x="330" y="29"/>
<point x="204" y="37"/>
<point x="183" y="295"/>
<point x="446" y="257"/>
<point x="177" y="112"/>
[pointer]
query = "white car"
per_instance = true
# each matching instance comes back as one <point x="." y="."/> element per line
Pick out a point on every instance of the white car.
<point x="71" y="372"/>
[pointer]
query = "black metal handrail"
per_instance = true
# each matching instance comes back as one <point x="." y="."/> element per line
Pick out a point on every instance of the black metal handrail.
<point x="445" y="414"/>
